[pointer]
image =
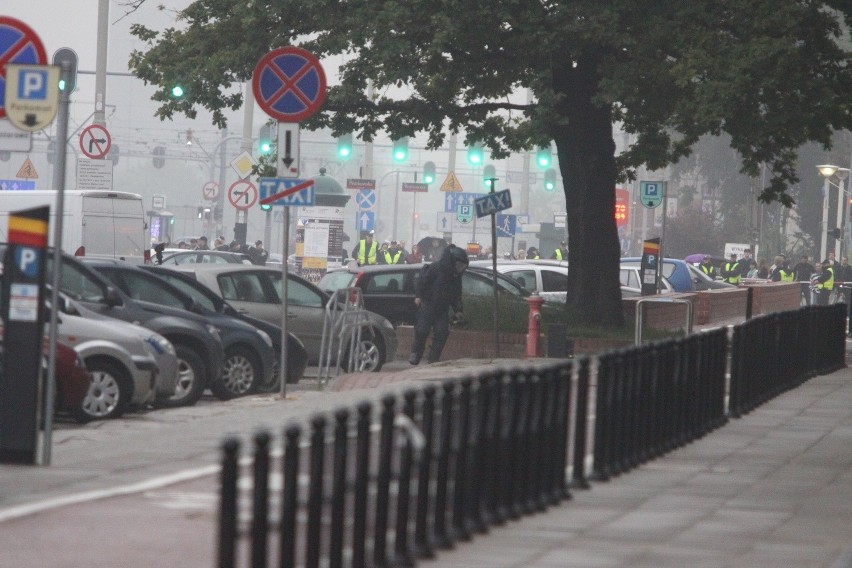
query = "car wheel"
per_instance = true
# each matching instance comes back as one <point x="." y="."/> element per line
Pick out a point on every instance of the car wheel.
<point x="240" y="371"/>
<point x="371" y="355"/>
<point x="190" y="379"/>
<point x="110" y="391"/>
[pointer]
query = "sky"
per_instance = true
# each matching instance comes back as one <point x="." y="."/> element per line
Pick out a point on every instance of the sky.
<point x="134" y="129"/>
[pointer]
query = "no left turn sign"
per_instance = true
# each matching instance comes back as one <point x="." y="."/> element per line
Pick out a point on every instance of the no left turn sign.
<point x="210" y="191"/>
<point x="95" y="141"/>
<point x="242" y="194"/>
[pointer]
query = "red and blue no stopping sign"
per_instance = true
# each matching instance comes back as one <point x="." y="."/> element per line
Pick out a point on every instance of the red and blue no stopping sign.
<point x="289" y="84"/>
<point x="18" y="44"/>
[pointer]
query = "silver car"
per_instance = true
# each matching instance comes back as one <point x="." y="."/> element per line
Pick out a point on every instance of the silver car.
<point x="122" y="360"/>
<point x="548" y="278"/>
<point x="257" y="291"/>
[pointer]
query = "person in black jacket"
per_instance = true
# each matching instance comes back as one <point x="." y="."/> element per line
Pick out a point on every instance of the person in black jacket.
<point x="438" y="289"/>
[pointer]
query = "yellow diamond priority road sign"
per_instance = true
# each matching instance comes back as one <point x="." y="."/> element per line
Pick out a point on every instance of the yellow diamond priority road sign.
<point x="32" y="95"/>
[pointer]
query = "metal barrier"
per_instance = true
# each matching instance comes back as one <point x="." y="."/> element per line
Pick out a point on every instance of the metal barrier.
<point x="447" y="461"/>
<point x="345" y="317"/>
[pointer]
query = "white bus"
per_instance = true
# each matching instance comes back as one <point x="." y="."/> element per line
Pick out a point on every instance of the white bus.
<point x="94" y="223"/>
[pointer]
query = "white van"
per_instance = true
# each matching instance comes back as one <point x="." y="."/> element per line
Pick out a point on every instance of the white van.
<point x="94" y="223"/>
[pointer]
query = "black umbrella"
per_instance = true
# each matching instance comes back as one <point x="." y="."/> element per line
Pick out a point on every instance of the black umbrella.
<point x="431" y="248"/>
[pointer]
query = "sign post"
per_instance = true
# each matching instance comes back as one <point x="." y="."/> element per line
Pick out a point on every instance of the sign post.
<point x="289" y="85"/>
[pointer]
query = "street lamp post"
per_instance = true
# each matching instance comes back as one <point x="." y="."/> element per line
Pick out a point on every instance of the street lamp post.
<point x="827" y="171"/>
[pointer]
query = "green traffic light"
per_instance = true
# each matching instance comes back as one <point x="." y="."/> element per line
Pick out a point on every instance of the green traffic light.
<point x="474" y="154"/>
<point x="177" y="91"/>
<point x="488" y="173"/>
<point x="429" y="172"/>
<point x="400" y="149"/>
<point x="265" y="207"/>
<point x="62" y="84"/>
<point x="543" y="158"/>
<point x="344" y="146"/>
<point x="550" y="180"/>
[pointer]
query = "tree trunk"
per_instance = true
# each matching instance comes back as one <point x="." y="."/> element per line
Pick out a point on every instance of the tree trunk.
<point x="586" y="151"/>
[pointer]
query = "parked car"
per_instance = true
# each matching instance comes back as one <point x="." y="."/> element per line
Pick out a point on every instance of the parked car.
<point x="683" y="276"/>
<point x="257" y="291"/>
<point x="123" y="369"/>
<point x="249" y="355"/>
<point x="631" y="282"/>
<point x="297" y="356"/>
<point x="72" y="381"/>
<point x="388" y="289"/>
<point x="548" y="278"/>
<point x="196" y="341"/>
<point x="183" y="256"/>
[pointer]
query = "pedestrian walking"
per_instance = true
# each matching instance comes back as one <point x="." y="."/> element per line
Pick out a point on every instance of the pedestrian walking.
<point x="803" y="271"/>
<point x="438" y="289"/>
<point x="365" y="252"/>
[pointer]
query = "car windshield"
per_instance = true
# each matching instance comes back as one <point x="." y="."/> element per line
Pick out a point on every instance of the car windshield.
<point x="336" y="280"/>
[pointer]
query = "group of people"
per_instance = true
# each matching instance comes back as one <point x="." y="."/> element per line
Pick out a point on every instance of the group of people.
<point x="257" y="254"/>
<point x="367" y="251"/>
<point x="819" y="280"/>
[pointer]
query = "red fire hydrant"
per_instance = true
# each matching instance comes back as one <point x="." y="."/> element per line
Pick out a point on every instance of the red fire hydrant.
<point x="534" y="328"/>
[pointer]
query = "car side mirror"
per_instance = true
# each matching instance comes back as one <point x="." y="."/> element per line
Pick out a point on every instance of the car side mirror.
<point x="111" y="297"/>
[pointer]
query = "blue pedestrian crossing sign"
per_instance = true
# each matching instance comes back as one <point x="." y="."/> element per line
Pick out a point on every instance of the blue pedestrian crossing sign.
<point x="506" y="225"/>
<point x="365" y="220"/>
<point x="651" y="193"/>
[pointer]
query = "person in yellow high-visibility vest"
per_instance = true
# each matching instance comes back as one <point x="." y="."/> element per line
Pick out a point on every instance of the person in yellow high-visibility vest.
<point x="561" y="252"/>
<point x="731" y="271"/>
<point x="824" y="283"/>
<point x="365" y="251"/>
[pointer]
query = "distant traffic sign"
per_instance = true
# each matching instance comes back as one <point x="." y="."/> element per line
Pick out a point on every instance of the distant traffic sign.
<point x="365" y="220"/>
<point x="415" y="187"/>
<point x="289" y="84"/>
<point x="356" y="183"/>
<point x="506" y="225"/>
<point x="242" y="194"/>
<point x="366" y="199"/>
<point x="651" y="193"/>
<point x="18" y="44"/>
<point x="31" y="96"/>
<point x="453" y="200"/>
<point x="493" y="202"/>
<point x="210" y="191"/>
<point x="95" y="141"/>
<point x="16" y="185"/>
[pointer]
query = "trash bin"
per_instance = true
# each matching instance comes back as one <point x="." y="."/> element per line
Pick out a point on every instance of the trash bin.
<point x="559" y="345"/>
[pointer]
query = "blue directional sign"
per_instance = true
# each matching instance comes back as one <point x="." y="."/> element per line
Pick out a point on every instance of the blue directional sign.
<point x="453" y="199"/>
<point x="16" y="185"/>
<point x="365" y="220"/>
<point x="493" y="202"/>
<point x="506" y="225"/>
<point x="366" y="199"/>
<point x="286" y="191"/>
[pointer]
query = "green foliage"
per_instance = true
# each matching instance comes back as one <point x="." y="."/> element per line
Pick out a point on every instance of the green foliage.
<point x="771" y="74"/>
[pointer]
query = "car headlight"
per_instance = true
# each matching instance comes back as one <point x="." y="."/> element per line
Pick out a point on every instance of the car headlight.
<point x="214" y="331"/>
<point x="157" y="345"/>
<point x="265" y="337"/>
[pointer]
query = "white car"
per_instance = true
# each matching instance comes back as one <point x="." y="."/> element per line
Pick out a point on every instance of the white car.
<point x="548" y="278"/>
<point x="129" y="365"/>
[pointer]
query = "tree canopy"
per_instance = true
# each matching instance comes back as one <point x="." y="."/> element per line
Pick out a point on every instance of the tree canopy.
<point x="771" y="74"/>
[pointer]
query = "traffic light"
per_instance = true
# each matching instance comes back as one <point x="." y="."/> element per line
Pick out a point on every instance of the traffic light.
<point x="344" y="146"/>
<point x="400" y="150"/>
<point x="69" y="56"/>
<point x="265" y="207"/>
<point x="428" y="172"/>
<point x="177" y="91"/>
<point x="474" y="154"/>
<point x="550" y="180"/>
<point x="488" y="172"/>
<point x="264" y="140"/>
<point x="542" y="157"/>
<point x="159" y="160"/>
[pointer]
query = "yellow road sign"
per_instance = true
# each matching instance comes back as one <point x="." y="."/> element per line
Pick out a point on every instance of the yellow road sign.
<point x="27" y="170"/>
<point x="452" y="183"/>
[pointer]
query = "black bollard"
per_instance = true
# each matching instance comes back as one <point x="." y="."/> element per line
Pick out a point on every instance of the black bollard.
<point x="403" y="555"/>
<point x="444" y="537"/>
<point x="313" y="544"/>
<point x="338" y="489"/>
<point x="383" y="482"/>
<point x="423" y="545"/>
<point x="228" y="503"/>
<point x="362" y="479"/>
<point x="289" y="497"/>
<point x="260" y="501"/>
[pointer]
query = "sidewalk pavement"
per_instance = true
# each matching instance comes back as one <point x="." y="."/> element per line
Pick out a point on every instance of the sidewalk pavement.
<point x="770" y="489"/>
